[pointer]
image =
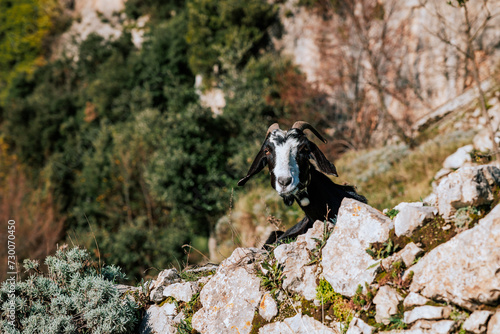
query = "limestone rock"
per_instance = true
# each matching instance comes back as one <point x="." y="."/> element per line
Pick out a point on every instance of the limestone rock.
<point x="300" y="278"/>
<point x="435" y="327"/>
<point x="268" y="307"/>
<point x="482" y="142"/>
<point x="410" y="253"/>
<point x="468" y="186"/>
<point x="410" y="217"/>
<point x="181" y="291"/>
<point x="477" y="322"/>
<point x="299" y="324"/>
<point x="426" y="312"/>
<point x="159" y="319"/>
<point x="414" y="299"/>
<point x="165" y="277"/>
<point x="345" y="261"/>
<point x="358" y="326"/>
<point x="465" y="269"/>
<point x="231" y="297"/>
<point x="494" y="323"/>
<point x="386" y="301"/>
<point x="459" y="158"/>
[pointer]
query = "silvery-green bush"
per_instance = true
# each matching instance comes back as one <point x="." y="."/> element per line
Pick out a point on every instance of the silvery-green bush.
<point x="74" y="296"/>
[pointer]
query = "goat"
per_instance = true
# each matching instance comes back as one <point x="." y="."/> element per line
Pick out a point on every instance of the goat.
<point x="288" y="155"/>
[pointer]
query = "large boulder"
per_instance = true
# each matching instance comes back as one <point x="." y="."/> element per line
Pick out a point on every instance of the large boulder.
<point x="464" y="270"/>
<point x="345" y="261"/>
<point x="468" y="186"/>
<point x="299" y="324"/>
<point x="412" y="216"/>
<point x="459" y="158"/>
<point x="386" y="301"/>
<point x="231" y="297"/>
<point x="299" y="277"/>
<point x="159" y="319"/>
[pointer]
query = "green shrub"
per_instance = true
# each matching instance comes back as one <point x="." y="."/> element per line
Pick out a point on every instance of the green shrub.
<point x="73" y="297"/>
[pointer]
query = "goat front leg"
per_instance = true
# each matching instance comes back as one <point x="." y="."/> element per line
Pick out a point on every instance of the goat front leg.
<point x="298" y="229"/>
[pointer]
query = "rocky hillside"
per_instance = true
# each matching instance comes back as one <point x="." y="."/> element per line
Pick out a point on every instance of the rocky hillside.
<point x="426" y="267"/>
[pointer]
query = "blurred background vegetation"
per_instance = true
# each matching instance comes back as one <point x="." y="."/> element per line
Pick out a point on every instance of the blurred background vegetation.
<point x="112" y="150"/>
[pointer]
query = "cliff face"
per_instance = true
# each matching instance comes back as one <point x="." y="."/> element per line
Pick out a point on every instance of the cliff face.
<point x="410" y="46"/>
<point x="428" y="267"/>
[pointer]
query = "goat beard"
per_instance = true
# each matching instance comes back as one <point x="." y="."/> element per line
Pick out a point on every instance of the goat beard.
<point x="288" y="200"/>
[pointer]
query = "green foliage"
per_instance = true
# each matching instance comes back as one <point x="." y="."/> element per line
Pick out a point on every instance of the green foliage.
<point x="392" y="213"/>
<point x="24" y="26"/>
<point x="74" y="297"/>
<point x="272" y="276"/>
<point x="361" y="299"/>
<point x="218" y="28"/>
<point x="382" y="250"/>
<point x="340" y="306"/>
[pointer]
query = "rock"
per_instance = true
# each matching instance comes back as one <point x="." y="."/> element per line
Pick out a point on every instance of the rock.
<point x="410" y="217"/>
<point x="414" y="299"/>
<point x="477" y="322"/>
<point x="165" y="277"/>
<point x="430" y="200"/>
<point x="482" y="142"/>
<point x="464" y="270"/>
<point x="231" y="297"/>
<point x="268" y="307"/>
<point x="159" y="319"/>
<point x="438" y="177"/>
<point x="386" y="301"/>
<point x="426" y="312"/>
<point x="468" y="186"/>
<point x="181" y="291"/>
<point x="435" y="327"/>
<point x="410" y="253"/>
<point x="403" y="205"/>
<point x="300" y="278"/>
<point x="299" y="324"/>
<point x="179" y="318"/>
<point x="316" y="232"/>
<point x="494" y="323"/>
<point x="459" y="158"/>
<point x="345" y="261"/>
<point x="358" y="326"/>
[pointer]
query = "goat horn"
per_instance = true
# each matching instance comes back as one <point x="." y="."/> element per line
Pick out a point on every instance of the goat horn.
<point x="273" y="127"/>
<point x="301" y="125"/>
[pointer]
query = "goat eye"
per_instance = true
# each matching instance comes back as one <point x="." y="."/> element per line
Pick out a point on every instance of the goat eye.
<point x="267" y="151"/>
<point x="304" y="147"/>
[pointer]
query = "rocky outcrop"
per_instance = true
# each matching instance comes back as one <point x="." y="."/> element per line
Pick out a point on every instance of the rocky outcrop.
<point x="345" y="261"/>
<point x="468" y="186"/>
<point x="300" y="277"/>
<point x="327" y="282"/>
<point x="299" y="324"/>
<point x="464" y="270"/>
<point x="231" y="297"/>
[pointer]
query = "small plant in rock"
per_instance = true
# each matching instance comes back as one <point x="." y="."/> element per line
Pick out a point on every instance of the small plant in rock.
<point x="315" y="254"/>
<point x="73" y="297"/>
<point x="339" y="305"/>
<point x="189" y="309"/>
<point x="379" y="250"/>
<point x="142" y="295"/>
<point x="361" y="299"/>
<point x="392" y="213"/>
<point x="396" y="322"/>
<point x="272" y="276"/>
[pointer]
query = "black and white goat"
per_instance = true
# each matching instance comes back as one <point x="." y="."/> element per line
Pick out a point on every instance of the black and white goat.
<point x="288" y="155"/>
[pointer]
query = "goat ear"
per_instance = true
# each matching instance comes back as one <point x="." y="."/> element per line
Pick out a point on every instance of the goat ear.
<point x="258" y="164"/>
<point x="321" y="161"/>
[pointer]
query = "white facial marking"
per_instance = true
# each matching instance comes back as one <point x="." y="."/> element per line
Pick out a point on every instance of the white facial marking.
<point x="286" y="163"/>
